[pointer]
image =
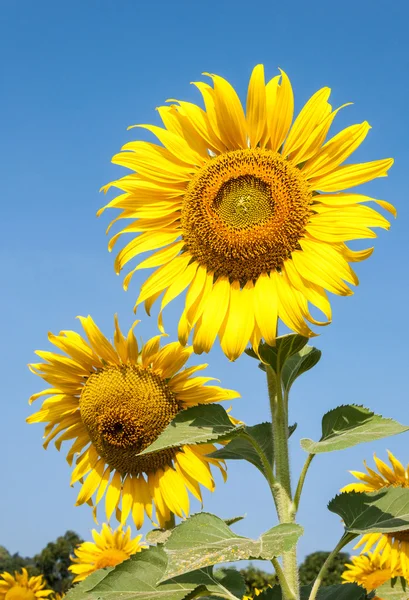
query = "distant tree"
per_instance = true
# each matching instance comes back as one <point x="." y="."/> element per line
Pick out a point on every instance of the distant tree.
<point x="54" y="560"/>
<point x="12" y="562"/>
<point x="312" y="564"/>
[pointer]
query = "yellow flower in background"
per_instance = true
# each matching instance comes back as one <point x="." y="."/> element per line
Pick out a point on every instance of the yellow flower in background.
<point x="397" y="476"/>
<point x="256" y="593"/>
<point x="58" y="596"/>
<point x="113" y="401"/>
<point x="390" y="549"/>
<point x="108" y="549"/>
<point x="22" y="587"/>
<point x="369" y="571"/>
<point x="248" y="211"/>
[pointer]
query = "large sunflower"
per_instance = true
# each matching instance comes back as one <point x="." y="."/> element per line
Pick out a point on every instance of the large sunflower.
<point x="22" y="587"/>
<point x="114" y="401"/>
<point x="369" y="571"/>
<point x="388" y="548"/>
<point x="109" y="549"/>
<point x="247" y="211"/>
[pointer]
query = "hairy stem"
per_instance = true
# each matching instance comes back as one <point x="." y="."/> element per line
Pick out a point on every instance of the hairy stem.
<point x="288" y="594"/>
<point x="282" y="472"/>
<point x="300" y="485"/>
<point x="346" y="538"/>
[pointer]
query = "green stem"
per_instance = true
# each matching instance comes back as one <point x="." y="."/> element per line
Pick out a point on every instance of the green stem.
<point x="288" y="594"/>
<point x="300" y="485"/>
<point x="346" y="538"/>
<point x="284" y="503"/>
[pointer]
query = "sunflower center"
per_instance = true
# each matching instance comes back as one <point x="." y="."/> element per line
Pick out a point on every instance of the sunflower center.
<point x="110" y="558"/>
<point x="244" y="213"/>
<point x="124" y="410"/>
<point x="18" y="592"/>
<point x="376" y="579"/>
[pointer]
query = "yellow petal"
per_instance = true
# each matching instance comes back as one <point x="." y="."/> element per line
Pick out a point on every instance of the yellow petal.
<point x="266" y="307"/>
<point x="310" y="116"/>
<point x="256" y="106"/>
<point x="351" y="175"/>
<point x="212" y="317"/>
<point x="282" y="113"/>
<point x="238" y="326"/>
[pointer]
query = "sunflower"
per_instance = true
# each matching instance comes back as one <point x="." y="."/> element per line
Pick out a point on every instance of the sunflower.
<point x="22" y="587"/>
<point x="109" y="549"/>
<point x="369" y="571"/>
<point x="389" y="548"/>
<point x="247" y="211"/>
<point x="114" y="401"/>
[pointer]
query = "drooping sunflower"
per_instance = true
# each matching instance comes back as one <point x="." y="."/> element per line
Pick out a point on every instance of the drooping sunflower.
<point x="22" y="587"/>
<point x="114" y="401"/>
<point x="388" y="548"/>
<point x="248" y="211"/>
<point x="108" y="550"/>
<point x="369" y="571"/>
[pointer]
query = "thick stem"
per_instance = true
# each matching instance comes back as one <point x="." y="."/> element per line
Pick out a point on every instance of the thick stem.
<point x="300" y="485"/>
<point x="346" y="538"/>
<point x="282" y="463"/>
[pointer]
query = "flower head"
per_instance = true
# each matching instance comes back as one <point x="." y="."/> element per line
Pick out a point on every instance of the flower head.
<point x="369" y="571"/>
<point x="113" y="401"/>
<point x="108" y="550"/>
<point x="247" y="211"/>
<point x="389" y="550"/>
<point x="22" y="587"/>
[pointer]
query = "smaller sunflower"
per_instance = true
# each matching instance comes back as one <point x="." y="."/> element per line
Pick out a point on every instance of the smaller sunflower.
<point x="397" y="476"/>
<point x="369" y="571"/>
<point x="112" y="401"/>
<point x="393" y="546"/>
<point x="110" y="547"/>
<point x="22" y="587"/>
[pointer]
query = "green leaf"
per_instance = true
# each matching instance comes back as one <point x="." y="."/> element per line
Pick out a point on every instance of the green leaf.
<point x="301" y="362"/>
<point x="204" y="540"/>
<point x="196" y="425"/>
<point x="349" y="425"/>
<point x="346" y="591"/>
<point x="396" y="589"/>
<point x="242" y="448"/>
<point x="234" y="520"/>
<point x="139" y="579"/>
<point x="384" y="511"/>
<point x="158" y="536"/>
<point x="80" y="591"/>
<point x="275" y="356"/>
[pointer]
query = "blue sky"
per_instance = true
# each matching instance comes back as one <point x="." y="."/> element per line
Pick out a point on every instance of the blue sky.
<point x="76" y="75"/>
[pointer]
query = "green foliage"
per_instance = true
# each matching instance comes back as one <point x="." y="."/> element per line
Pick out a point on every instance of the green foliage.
<point x="312" y="564"/>
<point x="204" y="540"/>
<point x="397" y="589"/>
<point x="197" y="425"/>
<point x="140" y="578"/>
<point x="54" y="560"/>
<point x="13" y="562"/>
<point x="347" y="426"/>
<point x="348" y="591"/>
<point x="257" y="579"/>
<point x="242" y="446"/>
<point x="376" y="512"/>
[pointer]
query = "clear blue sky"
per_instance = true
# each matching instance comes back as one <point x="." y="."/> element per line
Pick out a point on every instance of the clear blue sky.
<point x="75" y="75"/>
